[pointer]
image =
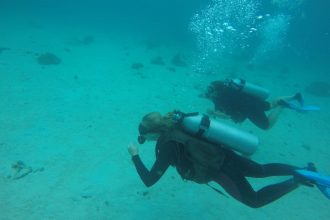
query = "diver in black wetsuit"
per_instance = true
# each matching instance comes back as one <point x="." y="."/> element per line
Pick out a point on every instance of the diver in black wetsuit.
<point x="232" y="102"/>
<point x="224" y="166"/>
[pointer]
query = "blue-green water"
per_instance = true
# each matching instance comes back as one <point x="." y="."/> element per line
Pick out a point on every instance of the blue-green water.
<point x="307" y="34"/>
<point x="69" y="117"/>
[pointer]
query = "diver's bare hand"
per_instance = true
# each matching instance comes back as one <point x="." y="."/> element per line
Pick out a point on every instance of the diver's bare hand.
<point x="133" y="149"/>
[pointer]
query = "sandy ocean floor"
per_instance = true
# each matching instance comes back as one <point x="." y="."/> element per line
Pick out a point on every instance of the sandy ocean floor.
<point x="70" y="125"/>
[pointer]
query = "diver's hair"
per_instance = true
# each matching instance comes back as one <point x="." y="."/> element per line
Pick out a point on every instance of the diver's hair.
<point x="154" y="122"/>
<point x="213" y="89"/>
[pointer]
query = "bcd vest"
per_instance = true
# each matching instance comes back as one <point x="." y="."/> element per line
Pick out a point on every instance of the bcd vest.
<point x="197" y="160"/>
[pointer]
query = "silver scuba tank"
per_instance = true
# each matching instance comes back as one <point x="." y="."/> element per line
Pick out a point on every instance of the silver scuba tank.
<point x="217" y="132"/>
<point x="249" y="88"/>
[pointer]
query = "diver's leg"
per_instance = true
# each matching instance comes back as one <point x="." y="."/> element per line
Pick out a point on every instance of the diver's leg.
<point x="273" y="115"/>
<point x="279" y="101"/>
<point x="272" y="192"/>
<point x="257" y="114"/>
<point x="233" y="179"/>
<point x="260" y="119"/>
<point x="239" y="188"/>
<point x="251" y="168"/>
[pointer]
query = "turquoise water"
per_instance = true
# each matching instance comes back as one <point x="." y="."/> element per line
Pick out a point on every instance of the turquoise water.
<point x="77" y="77"/>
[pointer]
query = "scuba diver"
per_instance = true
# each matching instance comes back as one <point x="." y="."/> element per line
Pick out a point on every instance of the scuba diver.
<point x="240" y="100"/>
<point x="191" y="144"/>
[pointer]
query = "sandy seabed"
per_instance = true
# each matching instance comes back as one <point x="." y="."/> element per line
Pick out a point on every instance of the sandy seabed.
<point x="68" y="127"/>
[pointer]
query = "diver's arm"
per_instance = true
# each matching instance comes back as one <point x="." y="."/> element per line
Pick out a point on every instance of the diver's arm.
<point x="148" y="177"/>
<point x="158" y="169"/>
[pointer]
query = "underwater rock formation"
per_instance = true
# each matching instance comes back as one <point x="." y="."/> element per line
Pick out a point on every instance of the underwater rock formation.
<point x="178" y="61"/>
<point x="319" y="89"/>
<point x="48" y="59"/>
<point x="82" y="41"/>
<point x="171" y="69"/>
<point x="137" y="66"/>
<point x="157" y="61"/>
<point x="87" y="40"/>
<point x="21" y="170"/>
<point x="3" y="49"/>
<point x="152" y="44"/>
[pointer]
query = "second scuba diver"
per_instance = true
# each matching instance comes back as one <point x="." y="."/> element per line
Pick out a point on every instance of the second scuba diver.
<point x="239" y="100"/>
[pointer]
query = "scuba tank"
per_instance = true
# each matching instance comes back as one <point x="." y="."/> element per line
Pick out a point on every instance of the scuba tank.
<point x="217" y="132"/>
<point x="248" y="88"/>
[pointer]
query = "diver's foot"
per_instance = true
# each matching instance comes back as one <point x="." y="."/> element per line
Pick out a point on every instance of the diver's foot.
<point x="283" y="103"/>
<point x="303" y="180"/>
<point x="299" y="98"/>
<point x="311" y="167"/>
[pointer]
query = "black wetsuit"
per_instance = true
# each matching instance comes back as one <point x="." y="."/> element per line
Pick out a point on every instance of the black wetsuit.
<point x="232" y="176"/>
<point x="240" y="106"/>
